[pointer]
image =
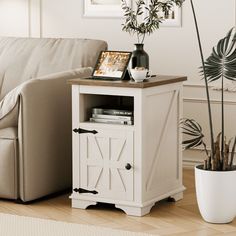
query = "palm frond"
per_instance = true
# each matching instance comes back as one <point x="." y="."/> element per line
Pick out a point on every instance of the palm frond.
<point x="222" y="61"/>
<point x="193" y="130"/>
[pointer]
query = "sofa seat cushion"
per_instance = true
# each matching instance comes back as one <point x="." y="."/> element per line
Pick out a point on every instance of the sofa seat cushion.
<point x="9" y="106"/>
<point x="8" y="163"/>
<point x="22" y="59"/>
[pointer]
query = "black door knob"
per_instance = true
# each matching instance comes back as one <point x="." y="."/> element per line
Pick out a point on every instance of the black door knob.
<point x="128" y="166"/>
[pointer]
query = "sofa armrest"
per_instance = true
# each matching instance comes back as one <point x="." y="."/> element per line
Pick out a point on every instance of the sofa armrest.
<point x="44" y="132"/>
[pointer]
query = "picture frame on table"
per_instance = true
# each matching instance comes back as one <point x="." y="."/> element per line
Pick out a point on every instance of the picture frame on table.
<point x="104" y="8"/>
<point x="112" y="65"/>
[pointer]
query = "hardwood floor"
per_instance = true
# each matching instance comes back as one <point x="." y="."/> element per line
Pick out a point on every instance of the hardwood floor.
<point x="166" y="218"/>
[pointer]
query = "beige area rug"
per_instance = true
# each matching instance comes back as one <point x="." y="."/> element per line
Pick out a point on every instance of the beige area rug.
<point x="11" y="225"/>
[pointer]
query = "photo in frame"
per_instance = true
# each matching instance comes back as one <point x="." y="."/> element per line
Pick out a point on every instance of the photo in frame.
<point x="104" y="8"/>
<point x="173" y="18"/>
<point x="112" y="65"/>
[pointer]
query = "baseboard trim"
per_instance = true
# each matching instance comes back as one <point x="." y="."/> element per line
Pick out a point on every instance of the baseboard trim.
<point x="190" y="164"/>
<point x="194" y="157"/>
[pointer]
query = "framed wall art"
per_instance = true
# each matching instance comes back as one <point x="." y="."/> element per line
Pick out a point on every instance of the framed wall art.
<point x="103" y="8"/>
<point x="173" y="18"/>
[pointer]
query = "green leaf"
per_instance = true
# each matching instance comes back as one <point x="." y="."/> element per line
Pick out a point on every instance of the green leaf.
<point x="193" y="130"/>
<point x="134" y="24"/>
<point x="222" y="61"/>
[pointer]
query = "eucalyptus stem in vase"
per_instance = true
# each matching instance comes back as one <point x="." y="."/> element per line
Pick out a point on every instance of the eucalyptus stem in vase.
<point x="143" y="20"/>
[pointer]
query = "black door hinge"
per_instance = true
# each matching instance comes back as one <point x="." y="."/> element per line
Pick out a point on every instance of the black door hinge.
<point x="81" y="190"/>
<point x="84" y="131"/>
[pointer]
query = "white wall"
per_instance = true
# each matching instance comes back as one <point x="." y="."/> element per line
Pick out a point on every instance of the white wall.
<point x="14" y="17"/>
<point x="171" y="50"/>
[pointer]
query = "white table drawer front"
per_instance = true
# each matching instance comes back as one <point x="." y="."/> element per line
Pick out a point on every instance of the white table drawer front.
<point x="106" y="163"/>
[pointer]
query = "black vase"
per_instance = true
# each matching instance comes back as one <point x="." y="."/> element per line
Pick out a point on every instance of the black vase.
<point x="139" y="57"/>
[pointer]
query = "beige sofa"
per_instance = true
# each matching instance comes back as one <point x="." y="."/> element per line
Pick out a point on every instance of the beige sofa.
<point x="35" y="112"/>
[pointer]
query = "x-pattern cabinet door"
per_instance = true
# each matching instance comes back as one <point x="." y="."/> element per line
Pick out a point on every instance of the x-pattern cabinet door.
<point x="103" y="163"/>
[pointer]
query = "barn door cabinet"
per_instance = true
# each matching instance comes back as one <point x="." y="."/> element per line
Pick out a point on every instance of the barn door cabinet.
<point x="131" y="166"/>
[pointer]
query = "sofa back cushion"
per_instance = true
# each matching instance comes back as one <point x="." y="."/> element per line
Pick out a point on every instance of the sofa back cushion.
<point x="24" y="58"/>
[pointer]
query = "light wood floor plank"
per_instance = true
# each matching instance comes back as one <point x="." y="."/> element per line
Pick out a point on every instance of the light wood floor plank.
<point x="166" y="218"/>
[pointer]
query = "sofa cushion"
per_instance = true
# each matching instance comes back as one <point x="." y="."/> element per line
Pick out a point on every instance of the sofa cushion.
<point x="24" y="58"/>
<point x="8" y="163"/>
<point x="9" y="106"/>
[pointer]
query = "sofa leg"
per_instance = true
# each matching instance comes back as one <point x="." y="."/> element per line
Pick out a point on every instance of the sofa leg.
<point x="19" y="201"/>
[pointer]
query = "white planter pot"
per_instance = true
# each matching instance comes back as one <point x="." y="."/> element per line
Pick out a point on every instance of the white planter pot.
<point x="216" y="195"/>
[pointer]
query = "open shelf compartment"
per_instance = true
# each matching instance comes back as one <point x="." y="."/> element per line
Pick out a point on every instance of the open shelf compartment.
<point x="90" y="101"/>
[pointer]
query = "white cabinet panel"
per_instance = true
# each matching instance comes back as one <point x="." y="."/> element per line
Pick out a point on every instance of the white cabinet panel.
<point x="103" y="158"/>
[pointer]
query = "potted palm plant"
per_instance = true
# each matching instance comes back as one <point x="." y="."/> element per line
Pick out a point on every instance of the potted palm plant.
<point x="215" y="193"/>
<point x="143" y="20"/>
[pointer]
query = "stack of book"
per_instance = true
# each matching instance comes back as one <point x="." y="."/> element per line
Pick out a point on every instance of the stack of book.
<point x="112" y="116"/>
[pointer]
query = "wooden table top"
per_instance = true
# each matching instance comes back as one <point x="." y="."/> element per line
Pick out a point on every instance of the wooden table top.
<point x="155" y="81"/>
